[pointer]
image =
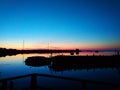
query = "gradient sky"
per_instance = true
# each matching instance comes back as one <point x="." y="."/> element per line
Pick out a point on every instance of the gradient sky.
<point x="61" y="23"/>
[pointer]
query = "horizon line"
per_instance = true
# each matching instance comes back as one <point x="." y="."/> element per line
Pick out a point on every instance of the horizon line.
<point x="64" y="48"/>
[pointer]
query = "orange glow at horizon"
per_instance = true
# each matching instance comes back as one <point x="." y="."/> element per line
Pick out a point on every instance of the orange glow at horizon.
<point x="60" y="46"/>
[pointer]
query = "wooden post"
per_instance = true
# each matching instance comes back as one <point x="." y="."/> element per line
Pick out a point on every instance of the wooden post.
<point x="11" y="85"/>
<point x="33" y="85"/>
<point x="84" y="85"/>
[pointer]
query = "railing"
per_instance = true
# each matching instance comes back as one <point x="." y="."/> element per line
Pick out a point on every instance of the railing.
<point x="33" y="84"/>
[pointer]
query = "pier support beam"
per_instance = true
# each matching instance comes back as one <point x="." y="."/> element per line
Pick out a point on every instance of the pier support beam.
<point x="33" y="85"/>
<point x="84" y="85"/>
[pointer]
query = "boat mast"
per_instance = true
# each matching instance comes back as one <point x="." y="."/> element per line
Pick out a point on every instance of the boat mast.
<point x="23" y="44"/>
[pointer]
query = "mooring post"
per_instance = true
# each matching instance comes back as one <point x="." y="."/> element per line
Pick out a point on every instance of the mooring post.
<point x="84" y="85"/>
<point x="4" y="85"/>
<point x="11" y="85"/>
<point x="33" y="85"/>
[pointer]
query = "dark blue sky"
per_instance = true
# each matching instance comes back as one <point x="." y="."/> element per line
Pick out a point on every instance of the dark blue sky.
<point x="61" y="23"/>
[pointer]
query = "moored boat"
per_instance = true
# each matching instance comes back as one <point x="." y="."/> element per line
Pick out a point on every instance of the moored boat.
<point x="37" y="61"/>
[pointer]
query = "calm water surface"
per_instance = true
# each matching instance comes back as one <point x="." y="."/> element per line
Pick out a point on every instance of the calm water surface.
<point x="11" y="66"/>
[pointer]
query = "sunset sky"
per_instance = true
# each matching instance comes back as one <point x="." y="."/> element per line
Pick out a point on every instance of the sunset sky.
<point x="60" y="24"/>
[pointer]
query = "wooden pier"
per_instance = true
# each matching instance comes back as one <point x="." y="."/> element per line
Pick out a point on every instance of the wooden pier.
<point x="33" y="84"/>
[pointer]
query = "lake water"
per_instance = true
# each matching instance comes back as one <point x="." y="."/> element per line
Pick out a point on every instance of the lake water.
<point x="11" y="66"/>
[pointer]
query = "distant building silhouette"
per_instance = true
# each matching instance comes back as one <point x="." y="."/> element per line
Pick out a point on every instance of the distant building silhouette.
<point x="118" y="53"/>
<point x="71" y="52"/>
<point x="77" y="51"/>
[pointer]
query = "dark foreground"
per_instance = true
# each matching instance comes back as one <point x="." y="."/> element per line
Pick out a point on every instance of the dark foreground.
<point x="64" y="63"/>
<point x="8" y="84"/>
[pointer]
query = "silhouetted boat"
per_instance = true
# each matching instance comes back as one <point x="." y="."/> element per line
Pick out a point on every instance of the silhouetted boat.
<point x="37" y="61"/>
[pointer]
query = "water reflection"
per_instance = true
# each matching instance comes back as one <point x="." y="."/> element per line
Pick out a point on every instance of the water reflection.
<point x="11" y="66"/>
